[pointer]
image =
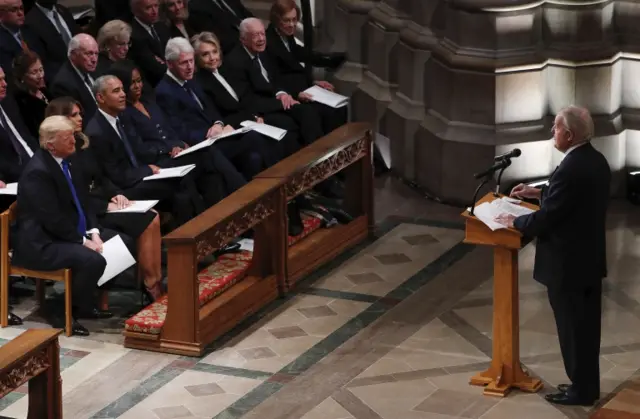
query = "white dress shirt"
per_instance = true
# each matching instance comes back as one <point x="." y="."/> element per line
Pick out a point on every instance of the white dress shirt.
<point x="16" y="133"/>
<point x="93" y="230"/>
<point x="81" y="75"/>
<point x="225" y="84"/>
<point x="111" y="120"/>
<point x="146" y="27"/>
<point x="50" y="14"/>
<point x="566" y="153"/>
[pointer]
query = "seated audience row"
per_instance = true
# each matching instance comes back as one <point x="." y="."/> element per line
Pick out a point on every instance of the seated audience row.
<point x="147" y="94"/>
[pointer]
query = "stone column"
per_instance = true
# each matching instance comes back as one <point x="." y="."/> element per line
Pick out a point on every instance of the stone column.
<point x="351" y="17"/>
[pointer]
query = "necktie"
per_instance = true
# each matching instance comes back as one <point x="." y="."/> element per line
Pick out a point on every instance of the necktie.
<point x="261" y="69"/>
<point x="82" y="221"/>
<point x="127" y="146"/>
<point x="154" y="33"/>
<point x="226" y="6"/>
<point x="193" y="95"/>
<point x="23" y="156"/>
<point x="23" y="44"/>
<point x="60" y="27"/>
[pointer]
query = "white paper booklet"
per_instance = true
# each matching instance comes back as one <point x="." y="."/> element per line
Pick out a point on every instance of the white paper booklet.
<point x="137" y="206"/>
<point x="326" y="97"/>
<point x="488" y="211"/>
<point x="266" y="129"/>
<point x="246" y="244"/>
<point x="11" y="189"/>
<point x="210" y="141"/>
<point x="118" y="259"/>
<point x="171" y="172"/>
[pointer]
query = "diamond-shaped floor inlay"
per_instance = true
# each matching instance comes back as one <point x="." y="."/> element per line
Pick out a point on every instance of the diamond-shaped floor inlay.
<point x="319" y="311"/>
<point x="420" y="239"/>
<point x="287" y="332"/>
<point x="173" y="412"/>
<point x="365" y="278"/>
<point x="456" y="404"/>
<point x="261" y="352"/>
<point x="204" y="389"/>
<point x="393" y="258"/>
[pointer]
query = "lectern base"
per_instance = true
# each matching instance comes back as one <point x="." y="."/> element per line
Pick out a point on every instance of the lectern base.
<point x="498" y="384"/>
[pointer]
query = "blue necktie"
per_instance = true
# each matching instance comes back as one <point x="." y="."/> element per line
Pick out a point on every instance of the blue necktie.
<point x="127" y="146"/>
<point x="193" y="95"/>
<point x="82" y="221"/>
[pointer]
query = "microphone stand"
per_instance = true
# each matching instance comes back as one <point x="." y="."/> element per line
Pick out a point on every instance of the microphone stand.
<point x="484" y="181"/>
<point x="507" y="164"/>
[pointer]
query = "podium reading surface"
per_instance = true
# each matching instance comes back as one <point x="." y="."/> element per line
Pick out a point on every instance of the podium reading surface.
<point x="505" y="371"/>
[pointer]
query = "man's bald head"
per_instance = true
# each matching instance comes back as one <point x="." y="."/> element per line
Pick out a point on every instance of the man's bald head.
<point x="573" y="126"/>
<point x="83" y="52"/>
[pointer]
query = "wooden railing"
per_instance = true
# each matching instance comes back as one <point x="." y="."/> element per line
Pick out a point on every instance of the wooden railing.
<point x="261" y="206"/>
<point x="34" y="357"/>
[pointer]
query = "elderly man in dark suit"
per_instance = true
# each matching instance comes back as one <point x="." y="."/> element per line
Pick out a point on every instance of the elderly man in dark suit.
<point x="75" y="78"/>
<point x="148" y="39"/>
<point x="55" y="227"/>
<point x="571" y="250"/>
<point x="258" y="84"/>
<point x="54" y="26"/>
<point x="14" y="36"/>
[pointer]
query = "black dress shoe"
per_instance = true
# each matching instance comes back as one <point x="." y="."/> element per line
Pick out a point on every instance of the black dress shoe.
<point x="568" y="399"/>
<point x="229" y="248"/>
<point x="296" y="227"/>
<point x="78" y="330"/>
<point x="94" y="314"/>
<point x="14" y="320"/>
<point x="563" y="388"/>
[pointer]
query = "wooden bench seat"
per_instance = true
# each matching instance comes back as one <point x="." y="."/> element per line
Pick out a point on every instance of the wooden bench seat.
<point x="203" y="305"/>
<point x="226" y="271"/>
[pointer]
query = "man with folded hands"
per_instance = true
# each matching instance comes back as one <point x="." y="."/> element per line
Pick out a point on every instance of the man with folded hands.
<point x="55" y="226"/>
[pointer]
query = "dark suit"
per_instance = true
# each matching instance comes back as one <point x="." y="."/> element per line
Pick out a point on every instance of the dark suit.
<point x="54" y="53"/>
<point x="46" y="233"/>
<point x="207" y="15"/>
<point x="191" y="123"/>
<point x="174" y="32"/>
<point x="68" y="83"/>
<point x="11" y="165"/>
<point x="32" y="109"/>
<point x="258" y="94"/>
<point x="233" y="112"/>
<point x="145" y="48"/>
<point x="295" y="78"/>
<point x="571" y="258"/>
<point x="10" y="48"/>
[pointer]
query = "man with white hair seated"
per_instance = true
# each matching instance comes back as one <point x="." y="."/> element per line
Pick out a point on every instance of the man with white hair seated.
<point x="55" y="227"/>
<point x="75" y="77"/>
<point x="571" y="250"/>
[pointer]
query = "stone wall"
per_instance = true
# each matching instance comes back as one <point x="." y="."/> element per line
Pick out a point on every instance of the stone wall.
<point x="454" y="82"/>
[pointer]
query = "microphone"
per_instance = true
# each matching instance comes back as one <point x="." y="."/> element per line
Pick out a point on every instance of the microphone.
<point x="502" y="164"/>
<point x="513" y="153"/>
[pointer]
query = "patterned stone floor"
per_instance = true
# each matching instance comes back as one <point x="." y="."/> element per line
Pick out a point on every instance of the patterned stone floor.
<point x="391" y="330"/>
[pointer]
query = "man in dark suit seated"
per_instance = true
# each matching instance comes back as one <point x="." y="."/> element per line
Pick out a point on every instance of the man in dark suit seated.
<point x="54" y="26"/>
<point x="55" y="227"/>
<point x="74" y="78"/>
<point x="290" y="60"/>
<point x="125" y="163"/>
<point x="571" y="250"/>
<point x="221" y="17"/>
<point x="257" y="82"/>
<point x="148" y="40"/>
<point x="194" y="118"/>
<point x="14" y="36"/>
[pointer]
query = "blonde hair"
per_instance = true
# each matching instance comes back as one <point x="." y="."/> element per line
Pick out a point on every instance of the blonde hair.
<point x="205" y="38"/>
<point x="114" y="30"/>
<point x="52" y="126"/>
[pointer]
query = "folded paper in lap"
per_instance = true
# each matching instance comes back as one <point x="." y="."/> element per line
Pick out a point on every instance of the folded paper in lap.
<point x="118" y="259"/>
<point x="179" y="171"/>
<point x="265" y="129"/>
<point x="326" y="97"/>
<point x="11" y="189"/>
<point x="210" y="141"/>
<point x="137" y="206"/>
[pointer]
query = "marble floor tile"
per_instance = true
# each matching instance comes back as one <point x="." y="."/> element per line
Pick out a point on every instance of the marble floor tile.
<point x="328" y="409"/>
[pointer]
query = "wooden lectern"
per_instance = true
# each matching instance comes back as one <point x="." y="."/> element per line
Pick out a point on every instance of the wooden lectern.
<point x="505" y="371"/>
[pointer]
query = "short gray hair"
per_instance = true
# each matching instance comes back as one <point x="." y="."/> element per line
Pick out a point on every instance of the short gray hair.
<point x="114" y="30"/>
<point x="76" y="42"/>
<point x="101" y="82"/>
<point x="246" y="24"/>
<point x="175" y="47"/>
<point x="578" y="120"/>
<point x="52" y="126"/>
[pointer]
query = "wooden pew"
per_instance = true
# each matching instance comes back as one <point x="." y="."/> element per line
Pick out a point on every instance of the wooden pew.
<point x="203" y="305"/>
<point x="34" y="357"/>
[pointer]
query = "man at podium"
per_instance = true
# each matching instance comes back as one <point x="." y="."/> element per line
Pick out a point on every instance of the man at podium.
<point x="571" y="250"/>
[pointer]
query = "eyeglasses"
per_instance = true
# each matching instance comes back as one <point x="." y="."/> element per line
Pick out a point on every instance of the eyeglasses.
<point x="36" y="72"/>
<point x="289" y="21"/>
